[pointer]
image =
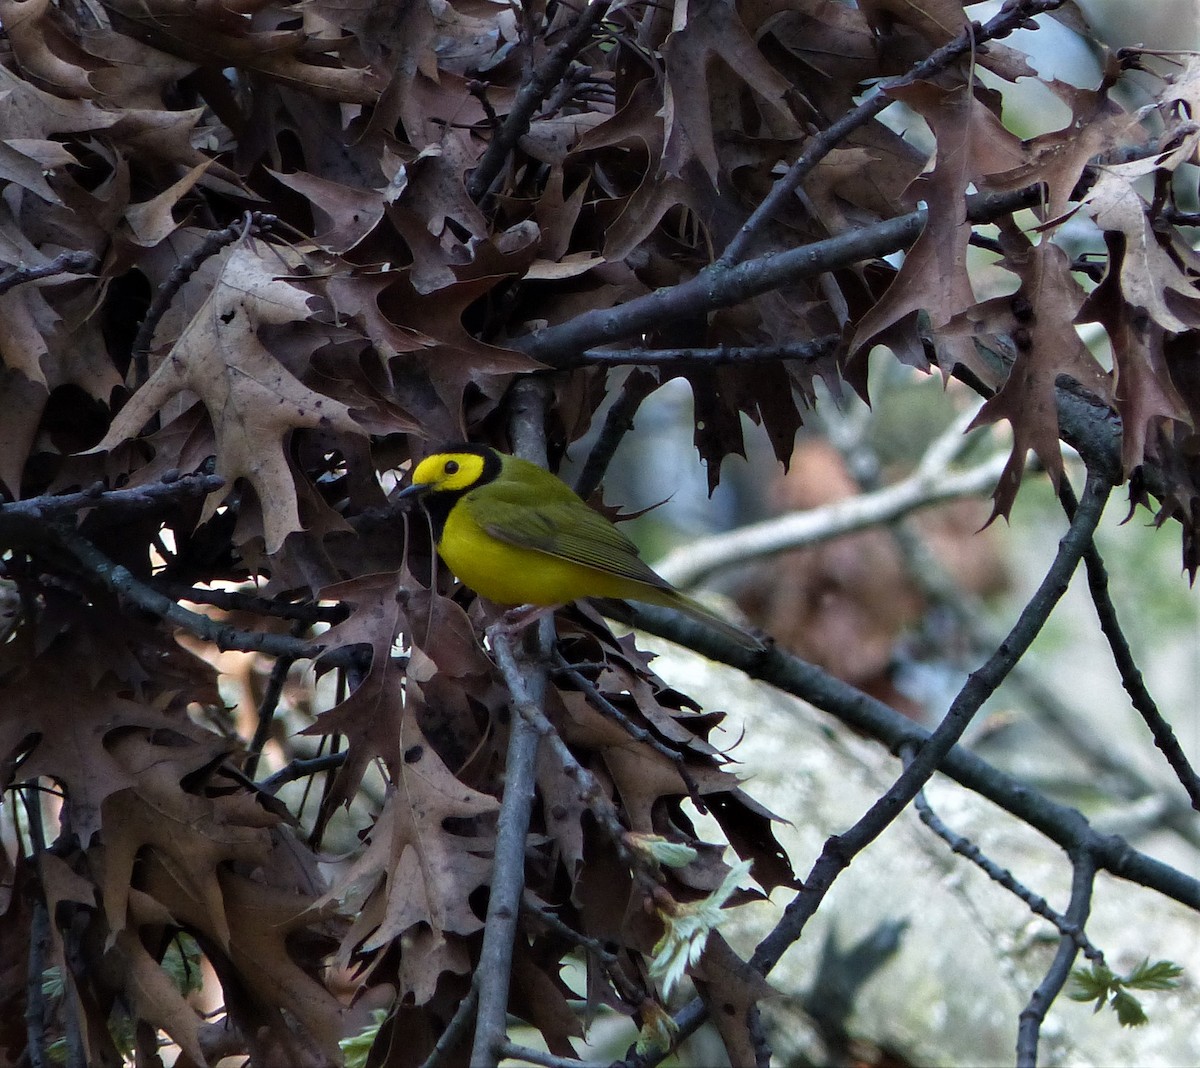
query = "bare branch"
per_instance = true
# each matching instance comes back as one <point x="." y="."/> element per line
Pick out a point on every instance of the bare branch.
<point x="266" y="710"/>
<point x="720" y="287"/>
<point x="714" y="357"/>
<point x="1037" y="904"/>
<point x="546" y="1060"/>
<point x="300" y="769"/>
<point x="617" y="423"/>
<point x="125" y="585"/>
<point x="926" y="487"/>
<point x="28" y="518"/>
<point x="77" y="263"/>
<point x="1131" y="675"/>
<point x="456" y="1029"/>
<point x="526" y="682"/>
<point x="1083" y="878"/>
<point x="508" y="875"/>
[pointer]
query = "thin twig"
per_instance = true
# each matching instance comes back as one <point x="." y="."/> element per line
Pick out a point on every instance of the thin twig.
<point x="714" y="357"/>
<point x="242" y="601"/>
<point x="302" y="768"/>
<point x="126" y="586"/>
<point x="530" y="97"/>
<point x="546" y="1060"/>
<point x="638" y="734"/>
<point x="586" y="942"/>
<point x="64" y="263"/>
<point x="1036" y="904"/>
<point x="266" y="710"/>
<point x="1011" y="16"/>
<point x="456" y="1029"/>
<point x="617" y="423"/>
<point x="1131" y="675"/>
<point x="923" y="489"/>
<point x="1083" y="877"/>
<point x="18" y="518"/>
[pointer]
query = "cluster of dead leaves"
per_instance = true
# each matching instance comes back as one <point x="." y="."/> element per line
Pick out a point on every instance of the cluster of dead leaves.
<point x="380" y="307"/>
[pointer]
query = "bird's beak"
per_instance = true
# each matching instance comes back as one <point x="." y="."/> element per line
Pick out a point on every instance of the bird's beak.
<point x="413" y="491"/>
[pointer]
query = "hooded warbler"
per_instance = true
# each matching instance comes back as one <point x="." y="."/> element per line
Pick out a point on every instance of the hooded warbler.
<point x="517" y="535"/>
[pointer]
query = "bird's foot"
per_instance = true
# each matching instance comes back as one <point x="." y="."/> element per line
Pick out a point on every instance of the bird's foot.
<point x="513" y="622"/>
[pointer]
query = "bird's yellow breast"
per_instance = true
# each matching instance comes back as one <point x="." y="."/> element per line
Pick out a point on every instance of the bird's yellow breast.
<point x="512" y="575"/>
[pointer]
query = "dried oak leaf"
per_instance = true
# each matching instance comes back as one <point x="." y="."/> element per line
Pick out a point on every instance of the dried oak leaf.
<point x="732" y="990"/>
<point x="971" y="143"/>
<point x="155" y="995"/>
<point x="703" y="31"/>
<point x="220" y="37"/>
<point x="1052" y="347"/>
<point x="416" y="872"/>
<point x="65" y="725"/>
<point x="254" y="402"/>
<point x="192" y="836"/>
<point x="1158" y="274"/>
<point x="443" y="652"/>
<point x="276" y="948"/>
<point x="40" y="37"/>
<point x="1058" y="158"/>
<point x="1143" y="391"/>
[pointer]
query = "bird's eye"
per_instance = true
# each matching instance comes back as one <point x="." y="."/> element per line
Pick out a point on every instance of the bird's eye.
<point x="451" y="467"/>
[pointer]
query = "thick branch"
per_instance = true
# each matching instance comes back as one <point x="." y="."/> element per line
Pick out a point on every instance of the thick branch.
<point x="719" y="286"/>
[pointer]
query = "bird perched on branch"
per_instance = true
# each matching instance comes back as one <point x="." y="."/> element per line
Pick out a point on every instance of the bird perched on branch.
<point x="518" y="535"/>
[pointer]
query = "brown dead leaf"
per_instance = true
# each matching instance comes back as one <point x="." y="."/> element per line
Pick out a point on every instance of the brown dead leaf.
<point x="155" y="996"/>
<point x="1143" y="391"/>
<point x="192" y="836"/>
<point x="1048" y="346"/>
<point x="345" y="215"/>
<point x="1160" y="277"/>
<point x="938" y="21"/>
<point x="415" y="870"/>
<point x="971" y="143"/>
<point x="66" y="723"/>
<point x="45" y="49"/>
<point x="254" y="402"/>
<point x="702" y="31"/>
<point x="731" y="989"/>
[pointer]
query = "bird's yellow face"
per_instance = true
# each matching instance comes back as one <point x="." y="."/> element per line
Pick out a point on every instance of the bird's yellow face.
<point x="449" y="472"/>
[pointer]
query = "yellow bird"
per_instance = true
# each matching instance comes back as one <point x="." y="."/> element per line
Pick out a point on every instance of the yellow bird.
<point x="518" y="535"/>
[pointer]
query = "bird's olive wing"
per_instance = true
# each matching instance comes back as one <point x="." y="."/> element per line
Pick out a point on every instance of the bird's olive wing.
<point x="569" y="530"/>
